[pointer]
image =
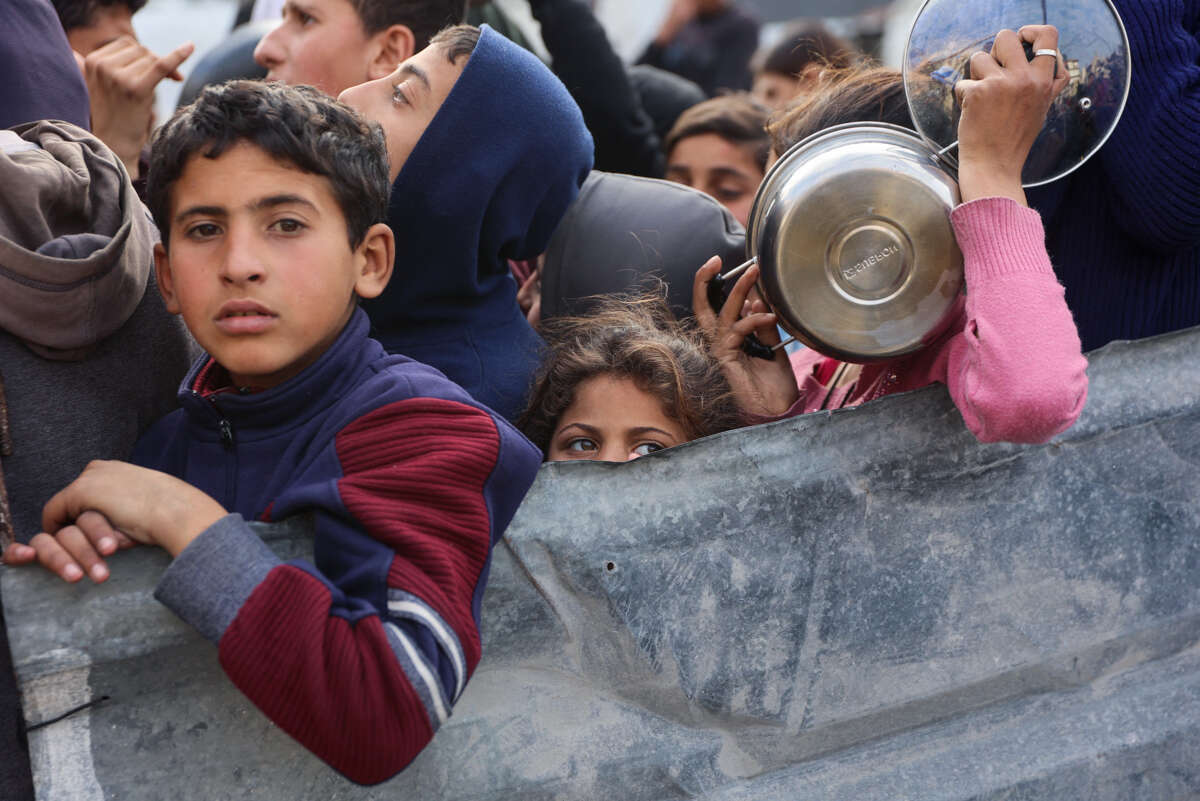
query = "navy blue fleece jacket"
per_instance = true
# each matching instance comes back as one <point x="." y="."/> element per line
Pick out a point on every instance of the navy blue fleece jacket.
<point x="489" y="181"/>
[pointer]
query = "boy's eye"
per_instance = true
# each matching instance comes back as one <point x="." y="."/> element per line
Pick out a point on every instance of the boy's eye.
<point x="647" y="448"/>
<point x="680" y="176"/>
<point x="202" y="231"/>
<point x="581" y="444"/>
<point x="728" y="194"/>
<point x="398" y="95"/>
<point x="300" y="17"/>
<point x="287" y="226"/>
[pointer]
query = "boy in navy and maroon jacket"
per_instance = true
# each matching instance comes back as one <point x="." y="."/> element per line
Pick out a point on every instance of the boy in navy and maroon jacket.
<point x="270" y="201"/>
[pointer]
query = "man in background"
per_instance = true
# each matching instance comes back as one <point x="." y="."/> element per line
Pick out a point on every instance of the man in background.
<point x="336" y="44"/>
<point x="710" y="42"/>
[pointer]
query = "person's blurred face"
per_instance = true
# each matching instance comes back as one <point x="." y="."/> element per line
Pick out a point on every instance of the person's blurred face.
<point x="774" y="90"/>
<point x="612" y="420"/>
<point x="108" y="23"/>
<point x="321" y="43"/>
<point x="719" y="168"/>
<point x="405" y="102"/>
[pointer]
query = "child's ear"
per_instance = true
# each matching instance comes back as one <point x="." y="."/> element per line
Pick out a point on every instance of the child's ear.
<point x="166" y="282"/>
<point x="389" y="48"/>
<point x="373" y="261"/>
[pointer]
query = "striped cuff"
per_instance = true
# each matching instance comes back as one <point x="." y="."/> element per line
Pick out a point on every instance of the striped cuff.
<point x="407" y="606"/>
<point x="421" y="675"/>
<point x="410" y="619"/>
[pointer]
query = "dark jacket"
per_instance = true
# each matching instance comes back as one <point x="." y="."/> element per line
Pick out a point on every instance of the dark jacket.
<point x="487" y="182"/>
<point x="714" y="50"/>
<point x="127" y="353"/>
<point x="89" y="354"/>
<point x="41" y="80"/>
<point x="583" y="58"/>
<point x="623" y="230"/>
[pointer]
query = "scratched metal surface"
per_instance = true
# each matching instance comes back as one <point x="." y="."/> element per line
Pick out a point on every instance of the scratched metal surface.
<point x="859" y="605"/>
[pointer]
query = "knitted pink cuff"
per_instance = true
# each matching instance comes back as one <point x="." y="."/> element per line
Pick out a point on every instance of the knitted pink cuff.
<point x="999" y="236"/>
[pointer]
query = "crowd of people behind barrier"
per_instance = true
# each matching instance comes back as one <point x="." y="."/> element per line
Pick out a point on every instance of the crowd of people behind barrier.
<point x="384" y="284"/>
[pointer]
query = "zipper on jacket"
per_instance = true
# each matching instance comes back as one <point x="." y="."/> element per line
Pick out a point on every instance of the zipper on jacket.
<point x="226" y="434"/>
<point x="229" y="444"/>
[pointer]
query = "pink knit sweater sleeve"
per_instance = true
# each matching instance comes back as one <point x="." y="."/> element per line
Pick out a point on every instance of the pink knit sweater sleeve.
<point x="1015" y="370"/>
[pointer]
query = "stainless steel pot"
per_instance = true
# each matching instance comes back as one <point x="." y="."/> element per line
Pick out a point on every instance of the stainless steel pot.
<point x="851" y="230"/>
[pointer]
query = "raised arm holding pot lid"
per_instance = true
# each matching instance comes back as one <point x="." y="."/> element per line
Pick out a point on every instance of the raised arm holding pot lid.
<point x="1010" y="355"/>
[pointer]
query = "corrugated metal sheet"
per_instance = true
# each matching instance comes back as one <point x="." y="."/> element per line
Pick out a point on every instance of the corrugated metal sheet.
<point x="866" y="604"/>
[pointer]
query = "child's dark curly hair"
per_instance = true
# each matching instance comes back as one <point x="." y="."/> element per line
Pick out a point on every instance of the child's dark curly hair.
<point x="634" y="337"/>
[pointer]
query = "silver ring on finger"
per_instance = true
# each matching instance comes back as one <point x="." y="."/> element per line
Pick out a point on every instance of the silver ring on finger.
<point x="1045" y="51"/>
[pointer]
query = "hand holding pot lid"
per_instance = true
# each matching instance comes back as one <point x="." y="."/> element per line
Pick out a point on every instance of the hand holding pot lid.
<point x="1004" y="105"/>
<point x="1094" y="58"/>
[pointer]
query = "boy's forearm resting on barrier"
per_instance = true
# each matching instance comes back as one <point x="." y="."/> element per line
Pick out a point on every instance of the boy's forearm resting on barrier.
<point x="414" y="521"/>
<point x="287" y="634"/>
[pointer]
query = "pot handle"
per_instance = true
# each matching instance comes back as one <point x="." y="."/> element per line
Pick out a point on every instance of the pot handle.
<point x="717" y="295"/>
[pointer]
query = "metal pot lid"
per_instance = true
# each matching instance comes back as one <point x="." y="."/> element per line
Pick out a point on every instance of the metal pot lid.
<point x="1094" y="47"/>
<point x="851" y="229"/>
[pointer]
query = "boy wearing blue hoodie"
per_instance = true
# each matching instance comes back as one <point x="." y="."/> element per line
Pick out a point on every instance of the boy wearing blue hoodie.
<point x="487" y="152"/>
<point x="270" y="200"/>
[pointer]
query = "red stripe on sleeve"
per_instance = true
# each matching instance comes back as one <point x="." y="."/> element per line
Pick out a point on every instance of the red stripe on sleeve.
<point x="415" y="473"/>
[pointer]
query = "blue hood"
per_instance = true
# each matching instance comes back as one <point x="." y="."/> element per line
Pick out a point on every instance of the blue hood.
<point x="489" y="180"/>
<point x="41" y="80"/>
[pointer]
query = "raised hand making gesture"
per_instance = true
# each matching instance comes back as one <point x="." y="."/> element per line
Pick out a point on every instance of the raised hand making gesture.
<point x="121" y="77"/>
